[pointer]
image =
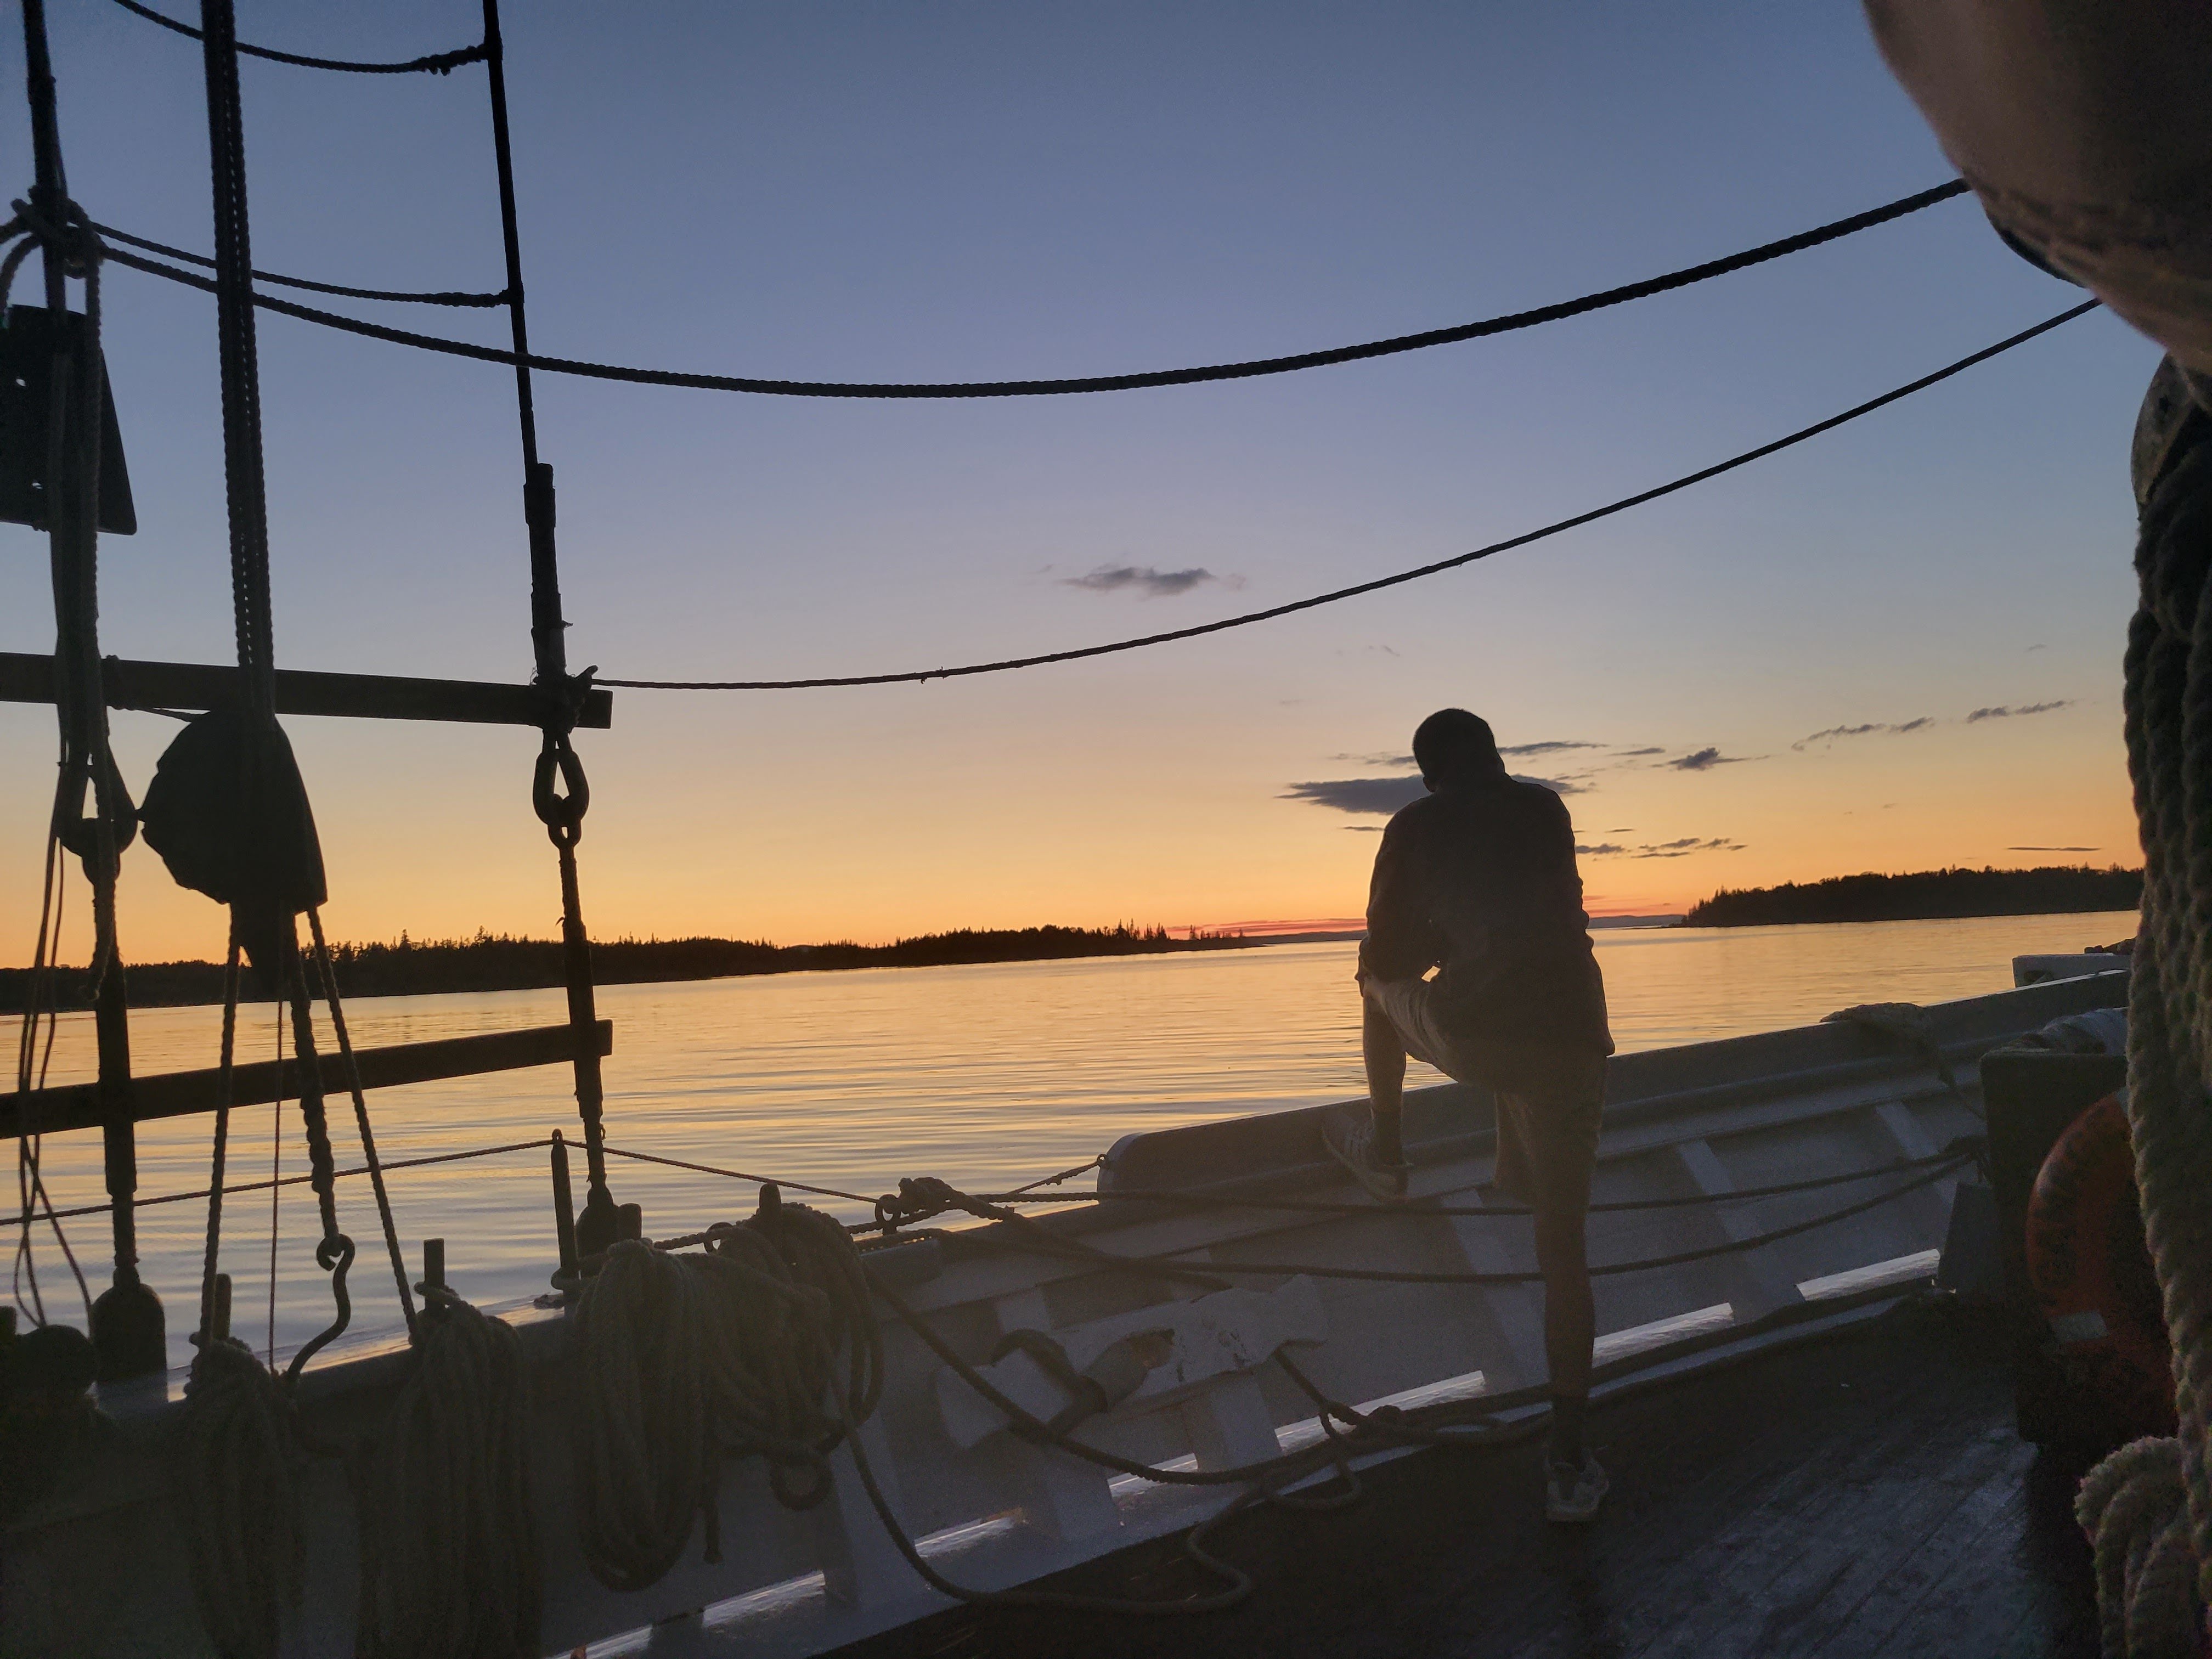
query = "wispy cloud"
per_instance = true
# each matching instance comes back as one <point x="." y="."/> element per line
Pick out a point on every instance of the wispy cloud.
<point x="1554" y="747"/>
<point x="1872" y="728"/>
<point x="1637" y="754"/>
<point x="1703" y="759"/>
<point x="2007" y="711"/>
<point x="1402" y="761"/>
<point x="1665" y="849"/>
<point x="2054" y="849"/>
<point x="1144" y="580"/>
<point x="1383" y="796"/>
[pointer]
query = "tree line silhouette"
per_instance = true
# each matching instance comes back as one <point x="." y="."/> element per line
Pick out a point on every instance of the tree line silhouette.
<point x="1925" y="895"/>
<point x="501" y="962"/>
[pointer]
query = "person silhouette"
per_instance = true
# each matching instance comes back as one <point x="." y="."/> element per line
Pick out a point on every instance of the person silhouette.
<point x="1477" y="880"/>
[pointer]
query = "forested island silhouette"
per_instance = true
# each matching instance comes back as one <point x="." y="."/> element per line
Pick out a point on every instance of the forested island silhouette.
<point x="501" y="961"/>
<point x="1922" y="896"/>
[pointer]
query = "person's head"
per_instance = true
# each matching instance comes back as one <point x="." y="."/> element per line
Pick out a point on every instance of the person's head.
<point x="1453" y="746"/>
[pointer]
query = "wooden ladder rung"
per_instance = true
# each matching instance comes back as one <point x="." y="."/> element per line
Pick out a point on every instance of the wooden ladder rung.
<point x="25" y="677"/>
<point x="180" y="1094"/>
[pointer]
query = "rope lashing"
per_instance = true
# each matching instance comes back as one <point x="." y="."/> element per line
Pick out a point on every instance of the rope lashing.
<point x="683" y="1360"/>
<point x="126" y="1319"/>
<point x="449" y="1548"/>
<point x="2169" y="697"/>
<point x="436" y="62"/>
<point x="1338" y="595"/>
<point x="481" y="301"/>
<point x="520" y="356"/>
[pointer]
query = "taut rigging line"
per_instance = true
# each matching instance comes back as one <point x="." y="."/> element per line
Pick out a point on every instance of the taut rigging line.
<point x="1558" y="528"/>
<point x="1254" y="369"/>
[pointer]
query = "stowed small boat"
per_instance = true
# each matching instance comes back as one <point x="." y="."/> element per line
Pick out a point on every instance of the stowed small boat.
<point x="1227" y="1304"/>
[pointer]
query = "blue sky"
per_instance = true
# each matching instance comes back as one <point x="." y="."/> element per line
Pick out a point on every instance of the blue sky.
<point x="974" y="191"/>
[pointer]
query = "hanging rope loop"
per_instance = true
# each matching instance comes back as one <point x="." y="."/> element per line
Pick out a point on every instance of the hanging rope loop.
<point x="560" y="791"/>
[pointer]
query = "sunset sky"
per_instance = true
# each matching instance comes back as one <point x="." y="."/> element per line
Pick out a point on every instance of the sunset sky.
<point x="1897" y="647"/>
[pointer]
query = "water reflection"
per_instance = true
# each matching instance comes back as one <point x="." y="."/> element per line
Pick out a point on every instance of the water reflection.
<point x="988" y="1075"/>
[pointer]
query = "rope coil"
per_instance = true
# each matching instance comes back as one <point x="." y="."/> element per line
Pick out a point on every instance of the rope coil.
<point x="682" y="1360"/>
<point x="449" y="1544"/>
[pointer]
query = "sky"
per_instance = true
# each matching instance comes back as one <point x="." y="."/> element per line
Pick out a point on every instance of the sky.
<point x="1895" y="648"/>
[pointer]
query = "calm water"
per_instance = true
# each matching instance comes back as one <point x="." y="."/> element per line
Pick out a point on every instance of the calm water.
<point x="989" y="1076"/>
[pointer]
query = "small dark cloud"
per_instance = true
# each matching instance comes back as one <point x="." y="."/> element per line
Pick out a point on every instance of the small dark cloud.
<point x="1703" y="759"/>
<point x="1144" y="580"/>
<point x="1365" y="829"/>
<point x="1403" y="762"/>
<point x="1383" y="796"/>
<point x="1637" y="754"/>
<point x="2007" y="711"/>
<point x="2054" y="849"/>
<point x="1553" y="747"/>
<point x="1665" y="849"/>
<point x="2038" y="647"/>
<point x="1872" y="728"/>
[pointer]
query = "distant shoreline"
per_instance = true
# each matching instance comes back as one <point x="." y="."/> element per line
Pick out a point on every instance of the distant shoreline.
<point x="500" y="962"/>
<point x="1952" y="894"/>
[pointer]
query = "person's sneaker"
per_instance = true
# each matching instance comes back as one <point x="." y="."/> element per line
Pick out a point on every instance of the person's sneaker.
<point x="1349" y="1134"/>
<point x="1573" y="1494"/>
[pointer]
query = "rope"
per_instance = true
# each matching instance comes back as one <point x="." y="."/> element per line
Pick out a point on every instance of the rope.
<point x="475" y="300"/>
<point x="437" y="63"/>
<point x="1509" y="322"/>
<point x="736" y="1174"/>
<point x="32" y="1060"/>
<point x="1317" y="1206"/>
<point x="2135" y="1507"/>
<point x="2167" y="698"/>
<point x="1336" y="595"/>
<point x="239" y="1467"/>
<point x="1040" y="1236"/>
<point x="126" y="1319"/>
<point x="561" y="794"/>
<point x="296" y="1181"/>
<point x="211" y="1253"/>
<point x="682" y="1360"/>
<point x="449" y="1549"/>
<point x="329" y="986"/>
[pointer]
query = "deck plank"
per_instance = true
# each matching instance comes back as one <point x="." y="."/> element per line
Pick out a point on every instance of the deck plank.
<point x="1768" y="1509"/>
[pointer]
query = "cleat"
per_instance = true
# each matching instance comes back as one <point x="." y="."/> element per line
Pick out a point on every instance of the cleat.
<point x="1573" y="1495"/>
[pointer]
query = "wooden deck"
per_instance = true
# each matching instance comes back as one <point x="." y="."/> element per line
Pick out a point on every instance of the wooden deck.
<point x="1865" y="1495"/>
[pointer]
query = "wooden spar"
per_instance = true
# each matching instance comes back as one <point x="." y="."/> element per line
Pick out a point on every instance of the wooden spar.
<point x="26" y="678"/>
<point x="180" y="1094"/>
